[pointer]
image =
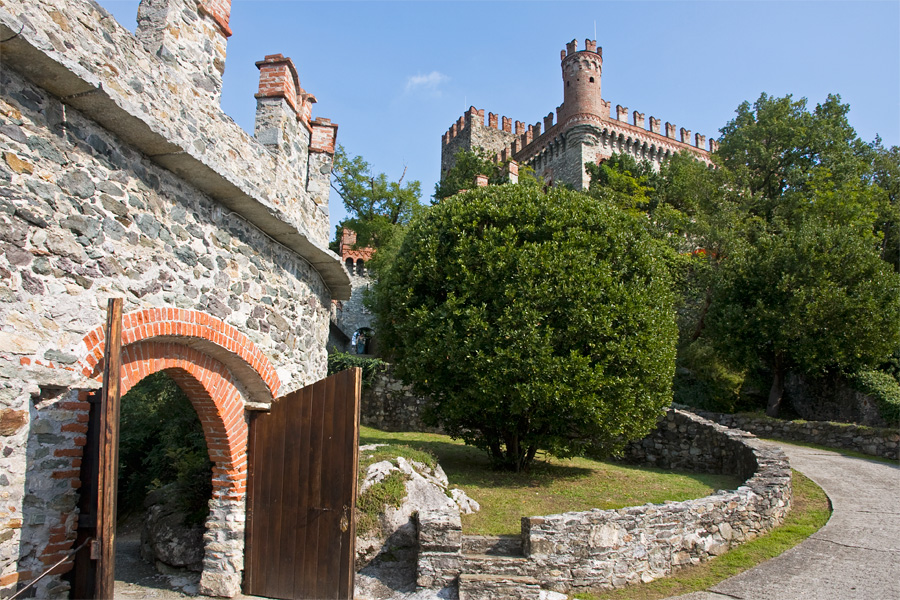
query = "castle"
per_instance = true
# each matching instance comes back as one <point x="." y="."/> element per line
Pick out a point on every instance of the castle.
<point x="585" y="131"/>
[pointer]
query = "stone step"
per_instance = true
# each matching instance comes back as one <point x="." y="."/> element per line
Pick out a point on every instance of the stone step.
<point x="498" y="587"/>
<point x="495" y="545"/>
<point x="487" y="564"/>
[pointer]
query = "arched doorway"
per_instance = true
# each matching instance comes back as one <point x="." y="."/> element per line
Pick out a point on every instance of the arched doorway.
<point x="221" y="371"/>
<point x="164" y="487"/>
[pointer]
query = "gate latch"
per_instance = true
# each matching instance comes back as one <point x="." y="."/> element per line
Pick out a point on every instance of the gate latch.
<point x="345" y="519"/>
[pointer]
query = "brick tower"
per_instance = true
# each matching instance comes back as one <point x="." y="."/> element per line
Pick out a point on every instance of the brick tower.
<point x="581" y="71"/>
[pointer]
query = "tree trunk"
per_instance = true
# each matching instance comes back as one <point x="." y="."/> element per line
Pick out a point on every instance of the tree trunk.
<point x="701" y="322"/>
<point x="776" y="393"/>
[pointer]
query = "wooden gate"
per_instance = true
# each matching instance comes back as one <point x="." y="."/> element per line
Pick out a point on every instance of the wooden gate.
<point x="304" y="455"/>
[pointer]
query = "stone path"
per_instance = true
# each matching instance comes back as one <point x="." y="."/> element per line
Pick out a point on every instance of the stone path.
<point x="855" y="556"/>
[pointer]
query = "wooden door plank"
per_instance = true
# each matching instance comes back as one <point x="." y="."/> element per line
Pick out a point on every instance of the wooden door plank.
<point x="291" y="428"/>
<point x="350" y="395"/>
<point x="109" y="450"/>
<point x="304" y="404"/>
<point x="329" y="530"/>
<point x="274" y="507"/>
<point x="310" y="479"/>
<point x="253" y="491"/>
<point x="315" y="512"/>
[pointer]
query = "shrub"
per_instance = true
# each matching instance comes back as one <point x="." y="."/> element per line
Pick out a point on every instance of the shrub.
<point x="884" y="389"/>
<point x="533" y="321"/>
<point x="371" y="367"/>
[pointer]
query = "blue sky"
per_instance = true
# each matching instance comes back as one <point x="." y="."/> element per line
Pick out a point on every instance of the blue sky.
<point x="396" y="75"/>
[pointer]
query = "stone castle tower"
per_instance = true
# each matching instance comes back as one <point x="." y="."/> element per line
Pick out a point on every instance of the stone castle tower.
<point x="585" y="131"/>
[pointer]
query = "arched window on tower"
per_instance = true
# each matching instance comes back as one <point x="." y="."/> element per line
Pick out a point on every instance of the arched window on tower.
<point x="360" y="267"/>
<point x="349" y="263"/>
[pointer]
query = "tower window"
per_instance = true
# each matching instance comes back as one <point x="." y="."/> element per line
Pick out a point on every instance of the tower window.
<point x="592" y="80"/>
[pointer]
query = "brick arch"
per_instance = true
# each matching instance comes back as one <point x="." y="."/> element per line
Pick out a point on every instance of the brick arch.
<point x="199" y="330"/>
<point x="215" y="396"/>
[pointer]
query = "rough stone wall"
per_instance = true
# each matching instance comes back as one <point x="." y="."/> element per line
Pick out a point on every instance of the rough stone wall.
<point x="604" y="549"/>
<point x="470" y="132"/>
<point x="831" y="398"/>
<point x="85" y="217"/>
<point x="121" y="177"/>
<point x="116" y="70"/>
<point x="352" y="314"/>
<point x="868" y="440"/>
<point x="42" y="429"/>
<point x="390" y="405"/>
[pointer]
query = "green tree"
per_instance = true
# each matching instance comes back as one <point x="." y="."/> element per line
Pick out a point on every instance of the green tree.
<point x="162" y="442"/>
<point x="886" y="176"/>
<point x="378" y="209"/>
<point x="467" y="164"/>
<point x="624" y="182"/>
<point x="533" y="321"/>
<point x="803" y="285"/>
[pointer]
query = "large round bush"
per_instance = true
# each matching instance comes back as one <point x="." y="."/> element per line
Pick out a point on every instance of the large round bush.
<point x="533" y="321"/>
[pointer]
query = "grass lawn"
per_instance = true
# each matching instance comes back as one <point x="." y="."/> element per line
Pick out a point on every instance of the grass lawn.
<point x="552" y="486"/>
<point x="810" y="512"/>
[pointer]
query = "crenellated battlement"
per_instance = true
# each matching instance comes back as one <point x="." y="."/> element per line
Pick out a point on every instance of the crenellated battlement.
<point x="583" y="110"/>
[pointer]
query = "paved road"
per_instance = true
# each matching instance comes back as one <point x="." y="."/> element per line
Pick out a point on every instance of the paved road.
<point x="855" y="556"/>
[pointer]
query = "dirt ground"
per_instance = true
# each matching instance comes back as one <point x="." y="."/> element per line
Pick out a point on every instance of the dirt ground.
<point x="138" y="579"/>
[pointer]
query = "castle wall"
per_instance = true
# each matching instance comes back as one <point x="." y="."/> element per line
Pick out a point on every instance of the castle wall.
<point x="121" y="177"/>
<point x="352" y="315"/>
<point x="470" y="132"/>
<point x="586" y="131"/>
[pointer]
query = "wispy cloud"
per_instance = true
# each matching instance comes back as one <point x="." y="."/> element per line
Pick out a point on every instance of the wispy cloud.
<point x="426" y="83"/>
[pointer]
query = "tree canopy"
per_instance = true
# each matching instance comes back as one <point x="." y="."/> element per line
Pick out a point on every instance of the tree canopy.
<point x="533" y="321"/>
<point x="791" y="239"/>
<point x="467" y="164"/>
<point x="378" y="208"/>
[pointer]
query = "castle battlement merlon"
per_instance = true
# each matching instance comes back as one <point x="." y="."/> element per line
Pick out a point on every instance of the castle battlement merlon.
<point x="475" y="117"/>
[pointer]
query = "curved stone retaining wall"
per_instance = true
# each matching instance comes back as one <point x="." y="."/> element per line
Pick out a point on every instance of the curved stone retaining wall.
<point x="611" y="548"/>
<point x="874" y="441"/>
<point x="604" y="549"/>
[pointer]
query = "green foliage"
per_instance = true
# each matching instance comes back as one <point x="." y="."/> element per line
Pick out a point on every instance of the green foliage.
<point x="470" y="163"/>
<point x="704" y="381"/>
<point x="371" y="367"/>
<point x="390" y="491"/>
<point x="884" y="389"/>
<point x="793" y="225"/>
<point x="379" y="209"/>
<point x="813" y="296"/>
<point x="466" y="165"/>
<point x="624" y="182"/>
<point x="785" y="256"/>
<point x="161" y="441"/>
<point x="886" y="176"/>
<point x="533" y="321"/>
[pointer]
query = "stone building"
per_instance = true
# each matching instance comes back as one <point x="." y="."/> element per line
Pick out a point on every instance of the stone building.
<point x="584" y="131"/>
<point x="120" y="176"/>
<point x="351" y="316"/>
